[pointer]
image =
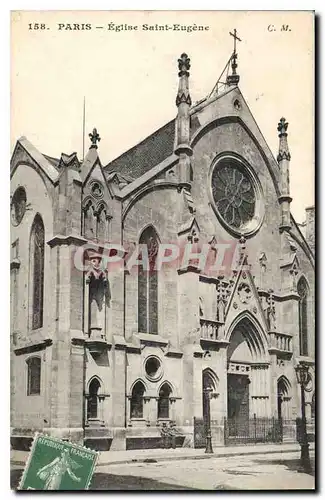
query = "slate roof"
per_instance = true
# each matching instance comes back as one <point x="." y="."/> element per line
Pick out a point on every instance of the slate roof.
<point x="145" y="155"/>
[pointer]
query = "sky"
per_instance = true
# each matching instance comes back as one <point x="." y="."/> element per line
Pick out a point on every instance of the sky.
<point x="129" y="79"/>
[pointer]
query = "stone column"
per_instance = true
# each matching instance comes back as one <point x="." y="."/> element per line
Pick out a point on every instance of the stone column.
<point x="149" y="412"/>
<point x="101" y="401"/>
<point x="182" y="136"/>
<point x="173" y="409"/>
<point x="67" y="366"/>
<point x="189" y="331"/>
<point x="14" y="270"/>
<point x="120" y="418"/>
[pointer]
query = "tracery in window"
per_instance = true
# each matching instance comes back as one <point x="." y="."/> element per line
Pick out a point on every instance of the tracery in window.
<point x="233" y="193"/>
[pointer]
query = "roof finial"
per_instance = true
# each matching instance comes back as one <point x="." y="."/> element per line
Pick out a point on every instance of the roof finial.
<point x="282" y="127"/>
<point x="94" y="137"/>
<point x="184" y="64"/>
<point x="233" y="79"/>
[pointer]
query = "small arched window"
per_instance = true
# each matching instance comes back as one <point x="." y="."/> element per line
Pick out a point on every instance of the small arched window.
<point x="37" y="271"/>
<point x="163" y="401"/>
<point x="148" y="284"/>
<point x="33" y="375"/>
<point x="137" y="400"/>
<point x="92" y="402"/>
<point x="302" y="288"/>
<point x="89" y="221"/>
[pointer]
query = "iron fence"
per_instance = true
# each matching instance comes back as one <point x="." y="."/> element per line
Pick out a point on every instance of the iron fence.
<point x="248" y="431"/>
<point x="259" y="430"/>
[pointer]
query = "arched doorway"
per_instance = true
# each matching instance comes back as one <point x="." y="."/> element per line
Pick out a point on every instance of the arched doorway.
<point x="283" y="397"/>
<point x="247" y="375"/>
<point x="164" y="401"/>
<point x="92" y="404"/>
<point x="209" y="386"/>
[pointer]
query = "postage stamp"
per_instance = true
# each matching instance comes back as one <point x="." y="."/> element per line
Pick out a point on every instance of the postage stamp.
<point x="58" y="465"/>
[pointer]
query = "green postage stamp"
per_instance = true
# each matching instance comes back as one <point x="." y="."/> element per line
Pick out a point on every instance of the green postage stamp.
<point x="58" y="465"/>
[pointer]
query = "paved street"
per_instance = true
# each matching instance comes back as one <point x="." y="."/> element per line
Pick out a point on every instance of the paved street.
<point x="272" y="471"/>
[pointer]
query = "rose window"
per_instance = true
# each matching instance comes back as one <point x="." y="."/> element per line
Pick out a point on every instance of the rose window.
<point x="236" y="196"/>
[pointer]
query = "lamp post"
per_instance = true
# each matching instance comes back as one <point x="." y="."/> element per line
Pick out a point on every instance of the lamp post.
<point x="302" y="378"/>
<point x="207" y="392"/>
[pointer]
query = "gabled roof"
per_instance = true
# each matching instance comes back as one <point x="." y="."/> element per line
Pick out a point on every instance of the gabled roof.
<point x="31" y="153"/>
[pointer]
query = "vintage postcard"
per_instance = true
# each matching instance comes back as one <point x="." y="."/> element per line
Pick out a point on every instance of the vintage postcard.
<point x="162" y="250"/>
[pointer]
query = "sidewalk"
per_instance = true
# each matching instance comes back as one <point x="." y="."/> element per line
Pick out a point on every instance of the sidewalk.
<point x="159" y="455"/>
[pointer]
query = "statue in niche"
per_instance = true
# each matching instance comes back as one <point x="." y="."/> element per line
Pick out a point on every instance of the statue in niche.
<point x="222" y="297"/>
<point x="270" y="311"/>
<point x="99" y="294"/>
<point x="293" y="273"/>
<point x="262" y="260"/>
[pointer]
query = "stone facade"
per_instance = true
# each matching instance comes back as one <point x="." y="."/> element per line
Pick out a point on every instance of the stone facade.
<point x="101" y="378"/>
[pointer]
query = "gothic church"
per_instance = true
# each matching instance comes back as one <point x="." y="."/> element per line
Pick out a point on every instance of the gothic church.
<point x="105" y="356"/>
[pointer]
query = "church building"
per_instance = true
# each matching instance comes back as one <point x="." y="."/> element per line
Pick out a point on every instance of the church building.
<point x="107" y="346"/>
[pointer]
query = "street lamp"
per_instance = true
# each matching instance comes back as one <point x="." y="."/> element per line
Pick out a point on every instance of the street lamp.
<point x="302" y="378"/>
<point x="207" y="393"/>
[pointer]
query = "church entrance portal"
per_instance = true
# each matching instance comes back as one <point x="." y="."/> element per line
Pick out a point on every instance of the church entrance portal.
<point x="247" y="386"/>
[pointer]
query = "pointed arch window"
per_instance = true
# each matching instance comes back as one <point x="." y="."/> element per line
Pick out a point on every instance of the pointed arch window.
<point x="33" y="375"/>
<point x="92" y="402"/>
<point x="102" y="223"/>
<point x="89" y="224"/>
<point x="137" y="400"/>
<point x="164" y="401"/>
<point x="37" y="271"/>
<point x="302" y="288"/>
<point x="148" y="285"/>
